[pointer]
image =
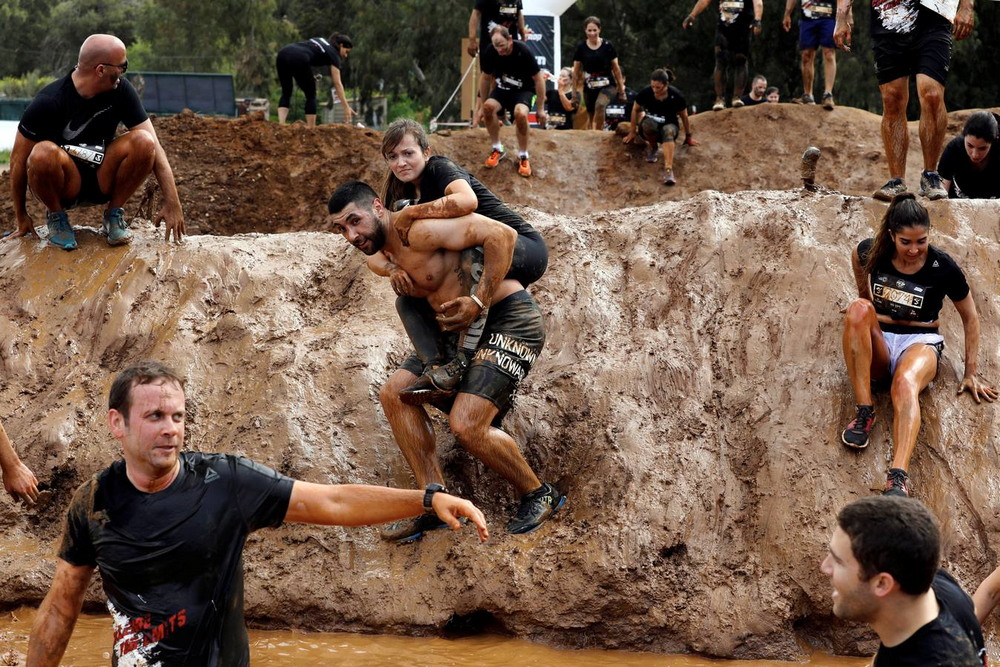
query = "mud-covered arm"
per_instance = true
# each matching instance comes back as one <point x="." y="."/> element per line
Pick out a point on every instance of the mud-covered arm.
<point x="786" y="20"/>
<point x="987" y="595"/>
<point x="171" y="212"/>
<point x="860" y="277"/>
<point x="338" y="87"/>
<point x="19" y="184"/>
<point x="18" y="480"/>
<point x="57" y="616"/>
<point x="616" y="69"/>
<point x="459" y="199"/>
<point x="474" y="33"/>
<point x="365" y="505"/>
<point x="400" y="280"/>
<point x="844" y="25"/>
<point x="965" y="19"/>
<point x="970" y="323"/>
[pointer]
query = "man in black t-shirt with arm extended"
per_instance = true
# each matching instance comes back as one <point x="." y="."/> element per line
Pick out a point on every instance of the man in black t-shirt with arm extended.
<point x="166" y="529"/>
<point x="513" y="74"/>
<point x="883" y="565"/>
<point x="67" y="153"/>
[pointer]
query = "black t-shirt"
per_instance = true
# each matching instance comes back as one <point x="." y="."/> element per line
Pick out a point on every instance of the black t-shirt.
<point x="559" y="117"/>
<point x="750" y="102"/>
<point x="953" y="639"/>
<point x="732" y="12"/>
<point x="172" y="562"/>
<point x="902" y="17"/>
<point x="596" y="63"/>
<point x="515" y="71"/>
<point x="498" y="12"/>
<point x="59" y="114"/>
<point x="440" y="171"/>
<point x="322" y="53"/>
<point x="967" y="182"/>
<point x="918" y="296"/>
<point x="662" y="111"/>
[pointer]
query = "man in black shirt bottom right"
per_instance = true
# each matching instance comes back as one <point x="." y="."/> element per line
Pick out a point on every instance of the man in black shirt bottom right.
<point x="883" y="565"/>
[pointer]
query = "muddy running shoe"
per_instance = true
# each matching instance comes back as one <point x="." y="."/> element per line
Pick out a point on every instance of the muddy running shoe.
<point x="651" y="155"/>
<point x="495" y="157"/>
<point x="438" y="382"/>
<point x="60" y="232"/>
<point x="806" y="99"/>
<point x="736" y="103"/>
<point x="536" y="508"/>
<point x="115" y="227"/>
<point x="719" y="105"/>
<point x="897" y="483"/>
<point x="523" y="168"/>
<point x="857" y="432"/>
<point x="668" y="178"/>
<point x="408" y="530"/>
<point x="808" y="166"/>
<point x="828" y="101"/>
<point x="894" y="187"/>
<point x="930" y="186"/>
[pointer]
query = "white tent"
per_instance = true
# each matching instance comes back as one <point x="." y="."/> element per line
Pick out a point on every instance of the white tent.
<point x="552" y="9"/>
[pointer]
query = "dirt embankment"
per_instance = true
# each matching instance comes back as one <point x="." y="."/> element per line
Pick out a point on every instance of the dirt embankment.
<point x="688" y="400"/>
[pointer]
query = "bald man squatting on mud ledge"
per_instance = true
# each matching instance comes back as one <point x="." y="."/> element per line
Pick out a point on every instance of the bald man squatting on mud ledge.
<point x="513" y="338"/>
<point x="166" y="528"/>
<point x="66" y="152"/>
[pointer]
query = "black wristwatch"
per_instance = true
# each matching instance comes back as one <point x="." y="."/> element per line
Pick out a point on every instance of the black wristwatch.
<point x="429" y="495"/>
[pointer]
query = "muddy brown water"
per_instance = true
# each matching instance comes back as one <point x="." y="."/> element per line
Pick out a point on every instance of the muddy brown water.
<point x="91" y="642"/>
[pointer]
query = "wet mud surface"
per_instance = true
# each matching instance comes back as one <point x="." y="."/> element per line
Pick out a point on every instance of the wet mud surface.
<point x="688" y="400"/>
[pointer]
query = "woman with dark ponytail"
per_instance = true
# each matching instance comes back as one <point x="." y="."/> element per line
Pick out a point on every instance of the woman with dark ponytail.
<point x="968" y="167"/>
<point x="295" y="62"/>
<point x="891" y="329"/>
<point x="657" y="115"/>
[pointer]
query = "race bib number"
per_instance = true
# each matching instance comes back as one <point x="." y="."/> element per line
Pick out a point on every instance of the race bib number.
<point x="556" y="119"/>
<point x="598" y="82"/>
<point x="510" y="82"/>
<point x="615" y="111"/>
<point x="899" y="298"/>
<point x="730" y="9"/>
<point x="656" y="119"/>
<point x="92" y="156"/>
<point x="508" y="9"/>
<point x="817" y="10"/>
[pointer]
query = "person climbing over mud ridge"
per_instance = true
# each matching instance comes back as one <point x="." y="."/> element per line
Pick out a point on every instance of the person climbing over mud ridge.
<point x="891" y="329"/>
<point x="66" y="151"/>
<point x="434" y="187"/>
<point x="512" y="340"/>
<point x="655" y="116"/>
<point x="295" y="62"/>
<point x="166" y="529"/>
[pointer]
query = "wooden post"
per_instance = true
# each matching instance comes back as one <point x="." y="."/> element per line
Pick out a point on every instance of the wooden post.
<point x="470" y="88"/>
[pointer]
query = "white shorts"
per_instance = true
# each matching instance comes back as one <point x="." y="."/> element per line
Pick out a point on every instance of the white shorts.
<point x="899" y="343"/>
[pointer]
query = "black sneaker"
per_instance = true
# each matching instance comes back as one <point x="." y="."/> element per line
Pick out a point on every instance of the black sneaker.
<point x="856" y="433"/>
<point x="408" y="530"/>
<point x="536" y="508"/>
<point x="438" y="382"/>
<point x="894" y="187"/>
<point x="930" y="186"/>
<point x="897" y="483"/>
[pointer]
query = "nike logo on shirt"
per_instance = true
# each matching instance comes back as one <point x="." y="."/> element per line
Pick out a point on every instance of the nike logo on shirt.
<point x="69" y="134"/>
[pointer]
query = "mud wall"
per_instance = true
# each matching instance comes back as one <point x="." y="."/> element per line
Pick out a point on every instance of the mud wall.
<point x="688" y="401"/>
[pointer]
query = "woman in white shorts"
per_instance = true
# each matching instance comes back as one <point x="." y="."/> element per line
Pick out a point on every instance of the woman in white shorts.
<point x="891" y="329"/>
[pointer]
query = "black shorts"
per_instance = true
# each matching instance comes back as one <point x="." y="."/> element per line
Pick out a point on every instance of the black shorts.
<point x="514" y="336"/>
<point x="292" y="63"/>
<point x="732" y="40"/>
<point x="660" y="132"/>
<point x="590" y="95"/>
<point x="90" y="192"/>
<point x="509" y="99"/>
<point x="926" y="50"/>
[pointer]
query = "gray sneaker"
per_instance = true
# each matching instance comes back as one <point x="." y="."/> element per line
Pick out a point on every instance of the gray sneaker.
<point x="894" y="187"/>
<point x="115" y="227"/>
<point x="536" y="508"/>
<point x="60" y="232"/>
<point x="828" y="101"/>
<point x="930" y="186"/>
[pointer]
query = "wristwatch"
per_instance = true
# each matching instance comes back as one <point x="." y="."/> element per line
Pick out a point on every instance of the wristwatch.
<point x="429" y="495"/>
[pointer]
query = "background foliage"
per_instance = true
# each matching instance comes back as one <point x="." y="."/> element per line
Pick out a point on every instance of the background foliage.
<point x="409" y="50"/>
